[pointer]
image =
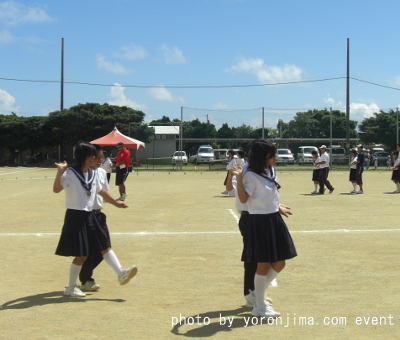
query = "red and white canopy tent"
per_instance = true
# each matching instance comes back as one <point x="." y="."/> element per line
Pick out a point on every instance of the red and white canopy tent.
<point x="115" y="136"/>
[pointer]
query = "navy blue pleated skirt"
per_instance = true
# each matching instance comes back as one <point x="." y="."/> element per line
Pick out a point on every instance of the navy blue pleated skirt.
<point x="267" y="239"/>
<point x="395" y="175"/>
<point x="82" y="235"/>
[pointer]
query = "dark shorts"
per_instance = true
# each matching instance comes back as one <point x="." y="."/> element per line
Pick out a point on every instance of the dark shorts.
<point x="315" y="175"/>
<point x="353" y="175"/>
<point x="121" y="175"/>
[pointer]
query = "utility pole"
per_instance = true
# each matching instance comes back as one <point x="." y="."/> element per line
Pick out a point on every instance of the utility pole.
<point x="348" y="97"/>
<point x="62" y="76"/>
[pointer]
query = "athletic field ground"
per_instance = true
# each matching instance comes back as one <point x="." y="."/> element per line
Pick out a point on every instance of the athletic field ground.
<point x="183" y="236"/>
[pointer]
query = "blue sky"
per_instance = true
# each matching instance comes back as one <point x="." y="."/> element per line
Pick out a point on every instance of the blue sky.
<point x="141" y="50"/>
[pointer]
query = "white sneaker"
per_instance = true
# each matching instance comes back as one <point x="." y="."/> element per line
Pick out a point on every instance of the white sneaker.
<point x="90" y="286"/>
<point x="353" y="192"/>
<point x="73" y="292"/>
<point x="251" y="299"/>
<point x="126" y="274"/>
<point x="360" y="192"/>
<point x="265" y="311"/>
<point x="122" y="198"/>
<point x="314" y="193"/>
<point x="225" y="192"/>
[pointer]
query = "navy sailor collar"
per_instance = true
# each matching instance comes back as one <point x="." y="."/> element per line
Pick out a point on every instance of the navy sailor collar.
<point x="87" y="184"/>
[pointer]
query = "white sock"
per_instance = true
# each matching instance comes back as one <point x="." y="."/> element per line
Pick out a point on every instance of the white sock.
<point x="398" y="185"/>
<point x="260" y="283"/>
<point x="74" y="271"/>
<point x="112" y="261"/>
<point x="271" y="275"/>
<point x="355" y="186"/>
<point x="315" y="187"/>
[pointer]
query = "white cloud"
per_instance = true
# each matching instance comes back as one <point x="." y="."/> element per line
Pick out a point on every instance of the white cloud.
<point x="131" y="52"/>
<point x="363" y="110"/>
<point x="119" y="98"/>
<point x="13" y="13"/>
<point x="358" y="111"/>
<point x="7" y="102"/>
<point x="162" y="94"/>
<point x="5" y="37"/>
<point x="221" y="106"/>
<point x="267" y="73"/>
<point x="104" y="64"/>
<point x="172" y="55"/>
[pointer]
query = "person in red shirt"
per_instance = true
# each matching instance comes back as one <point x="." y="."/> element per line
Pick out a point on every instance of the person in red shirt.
<point x="123" y="163"/>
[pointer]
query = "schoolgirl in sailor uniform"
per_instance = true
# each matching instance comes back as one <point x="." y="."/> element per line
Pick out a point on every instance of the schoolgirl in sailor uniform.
<point x="396" y="172"/>
<point x="81" y="233"/>
<point x="353" y="170"/>
<point x="316" y="169"/>
<point x="268" y="241"/>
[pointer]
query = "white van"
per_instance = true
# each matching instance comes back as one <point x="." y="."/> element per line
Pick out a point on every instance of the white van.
<point x="304" y="154"/>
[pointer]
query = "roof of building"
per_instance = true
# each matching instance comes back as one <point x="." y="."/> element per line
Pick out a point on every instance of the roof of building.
<point x="166" y="130"/>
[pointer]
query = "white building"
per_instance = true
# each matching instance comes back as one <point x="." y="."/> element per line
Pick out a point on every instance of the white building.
<point x="163" y="144"/>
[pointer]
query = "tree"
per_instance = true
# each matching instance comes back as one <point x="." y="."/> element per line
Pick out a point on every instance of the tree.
<point x="380" y="129"/>
<point x="316" y="124"/>
<point x="90" y="121"/>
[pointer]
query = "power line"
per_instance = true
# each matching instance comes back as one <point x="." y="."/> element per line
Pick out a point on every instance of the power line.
<point x="178" y="86"/>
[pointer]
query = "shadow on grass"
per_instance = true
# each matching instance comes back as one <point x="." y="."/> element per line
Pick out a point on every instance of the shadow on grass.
<point x="210" y="323"/>
<point x="47" y="299"/>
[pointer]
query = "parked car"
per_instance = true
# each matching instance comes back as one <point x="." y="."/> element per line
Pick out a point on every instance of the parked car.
<point x="338" y="155"/>
<point x="304" y="154"/>
<point x="205" y="154"/>
<point x="382" y="157"/>
<point x="179" y="157"/>
<point x="284" y="156"/>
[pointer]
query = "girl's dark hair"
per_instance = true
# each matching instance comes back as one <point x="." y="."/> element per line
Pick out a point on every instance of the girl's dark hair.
<point x="396" y="153"/>
<point x="314" y="152"/>
<point x="82" y="151"/>
<point x="241" y="153"/>
<point x="105" y="154"/>
<point x="354" y="151"/>
<point x="259" y="151"/>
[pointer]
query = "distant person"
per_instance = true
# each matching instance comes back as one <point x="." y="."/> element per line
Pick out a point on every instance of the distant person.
<point x="360" y="168"/>
<point x="353" y="170"/>
<point x="396" y="171"/>
<point x="123" y="163"/>
<point x="240" y="161"/>
<point x="316" y="169"/>
<point x="367" y="159"/>
<point x="106" y="165"/>
<point x="231" y="164"/>
<point x="324" y="171"/>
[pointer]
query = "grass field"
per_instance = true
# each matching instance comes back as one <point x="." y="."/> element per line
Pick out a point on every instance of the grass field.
<point x="182" y="234"/>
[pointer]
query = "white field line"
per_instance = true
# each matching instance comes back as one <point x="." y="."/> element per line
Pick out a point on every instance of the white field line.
<point x="156" y="233"/>
<point x="234" y="215"/>
<point x="22" y="171"/>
